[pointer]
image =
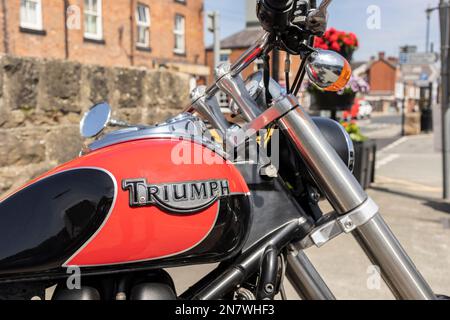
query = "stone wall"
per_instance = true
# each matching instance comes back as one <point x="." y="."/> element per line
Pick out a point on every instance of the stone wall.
<point x="42" y="102"/>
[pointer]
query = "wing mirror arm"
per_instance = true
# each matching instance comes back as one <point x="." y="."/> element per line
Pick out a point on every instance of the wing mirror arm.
<point x="98" y="118"/>
<point x="119" y="123"/>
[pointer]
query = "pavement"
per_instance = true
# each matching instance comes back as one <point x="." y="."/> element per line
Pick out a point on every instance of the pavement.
<point x="408" y="191"/>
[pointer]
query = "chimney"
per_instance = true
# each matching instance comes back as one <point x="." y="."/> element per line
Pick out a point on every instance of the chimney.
<point x="381" y="55"/>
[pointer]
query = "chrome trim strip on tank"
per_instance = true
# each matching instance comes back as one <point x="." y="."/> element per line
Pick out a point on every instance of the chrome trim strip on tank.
<point x="183" y="127"/>
<point x="105" y="221"/>
<point x="143" y="135"/>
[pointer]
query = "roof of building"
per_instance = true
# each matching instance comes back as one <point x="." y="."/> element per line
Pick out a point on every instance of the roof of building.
<point x="240" y="40"/>
<point x="357" y="64"/>
<point x="390" y="62"/>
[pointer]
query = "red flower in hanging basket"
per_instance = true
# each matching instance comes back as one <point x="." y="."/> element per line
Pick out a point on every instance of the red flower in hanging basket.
<point x="319" y="43"/>
<point x="348" y="41"/>
<point x="335" y="37"/>
<point x="335" y="47"/>
<point x="342" y="42"/>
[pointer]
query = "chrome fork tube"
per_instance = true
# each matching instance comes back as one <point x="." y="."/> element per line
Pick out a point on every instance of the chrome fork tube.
<point x="329" y="171"/>
<point x="397" y="269"/>
<point x="305" y="279"/>
<point x="345" y="194"/>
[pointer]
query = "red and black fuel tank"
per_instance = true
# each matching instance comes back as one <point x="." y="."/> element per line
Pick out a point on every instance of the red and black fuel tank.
<point x="129" y="203"/>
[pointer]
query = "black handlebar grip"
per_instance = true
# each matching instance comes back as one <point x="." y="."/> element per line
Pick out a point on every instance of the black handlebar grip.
<point x="279" y="5"/>
<point x="275" y="15"/>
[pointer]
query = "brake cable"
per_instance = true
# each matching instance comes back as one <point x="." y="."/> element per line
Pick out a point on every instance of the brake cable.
<point x="287" y="71"/>
<point x="301" y="76"/>
<point x="266" y="73"/>
<point x="296" y="86"/>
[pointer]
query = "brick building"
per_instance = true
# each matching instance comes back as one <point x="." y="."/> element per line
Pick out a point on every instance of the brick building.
<point x="382" y="74"/>
<point x="142" y="33"/>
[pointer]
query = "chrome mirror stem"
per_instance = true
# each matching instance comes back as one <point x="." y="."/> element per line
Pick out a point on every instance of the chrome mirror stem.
<point x="119" y="123"/>
<point x="259" y="47"/>
<point x="210" y="109"/>
<point x="234" y="87"/>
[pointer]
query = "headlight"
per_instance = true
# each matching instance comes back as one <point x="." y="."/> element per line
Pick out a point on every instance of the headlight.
<point x="338" y="138"/>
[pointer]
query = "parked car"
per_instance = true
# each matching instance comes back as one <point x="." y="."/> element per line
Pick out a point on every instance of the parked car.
<point x="361" y="109"/>
<point x="365" y="109"/>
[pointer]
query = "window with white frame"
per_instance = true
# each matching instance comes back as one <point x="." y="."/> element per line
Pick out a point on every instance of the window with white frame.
<point x="224" y="102"/>
<point x="224" y="56"/>
<point x="31" y="14"/>
<point x="179" y="32"/>
<point x="259" y="65"/>
<point x="143" y="25"/>
<point x="93" y="24"/>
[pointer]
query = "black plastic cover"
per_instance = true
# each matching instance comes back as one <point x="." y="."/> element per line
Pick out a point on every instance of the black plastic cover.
<point x="338" y="138"/>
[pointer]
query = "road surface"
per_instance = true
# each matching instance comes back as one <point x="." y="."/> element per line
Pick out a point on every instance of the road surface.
<point x="384" y="129"/>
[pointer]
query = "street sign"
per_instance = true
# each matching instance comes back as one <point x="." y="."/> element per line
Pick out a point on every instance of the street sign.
<point x="419" y="58"/>
<point x="424" y="76"/>
<point x="210" y="22"/>
<point x="424" y="73"/>
<point x="403" y="58"/>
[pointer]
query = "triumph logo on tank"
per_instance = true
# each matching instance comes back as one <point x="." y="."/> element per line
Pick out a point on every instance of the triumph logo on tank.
<point x="185" y="197"/>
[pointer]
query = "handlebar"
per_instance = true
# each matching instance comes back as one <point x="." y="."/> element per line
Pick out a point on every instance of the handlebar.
<point x="259" y="46"/>
<point x="279" y="4"/>
<point x="275" y="15"/>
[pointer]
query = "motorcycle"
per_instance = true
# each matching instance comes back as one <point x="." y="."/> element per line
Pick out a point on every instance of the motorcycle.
<point x="141" y="199"/>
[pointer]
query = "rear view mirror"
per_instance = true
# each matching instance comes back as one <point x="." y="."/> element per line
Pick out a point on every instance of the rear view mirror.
<point x="95" y="120"/>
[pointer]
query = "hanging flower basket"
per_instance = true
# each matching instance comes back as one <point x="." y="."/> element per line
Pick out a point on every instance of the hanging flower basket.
<point x="365" y="154"/>
<point x="332" y="101"/>
<point x="337" y="101"/>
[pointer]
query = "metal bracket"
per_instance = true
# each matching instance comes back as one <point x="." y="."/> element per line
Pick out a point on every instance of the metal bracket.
<point x="343" y="224"/>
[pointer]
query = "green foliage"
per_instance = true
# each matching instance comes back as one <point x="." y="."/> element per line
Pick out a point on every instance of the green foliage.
<point x="354" y="131"/>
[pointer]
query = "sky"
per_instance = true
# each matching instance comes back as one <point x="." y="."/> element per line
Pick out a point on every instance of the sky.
<point x="402" y="22"/>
